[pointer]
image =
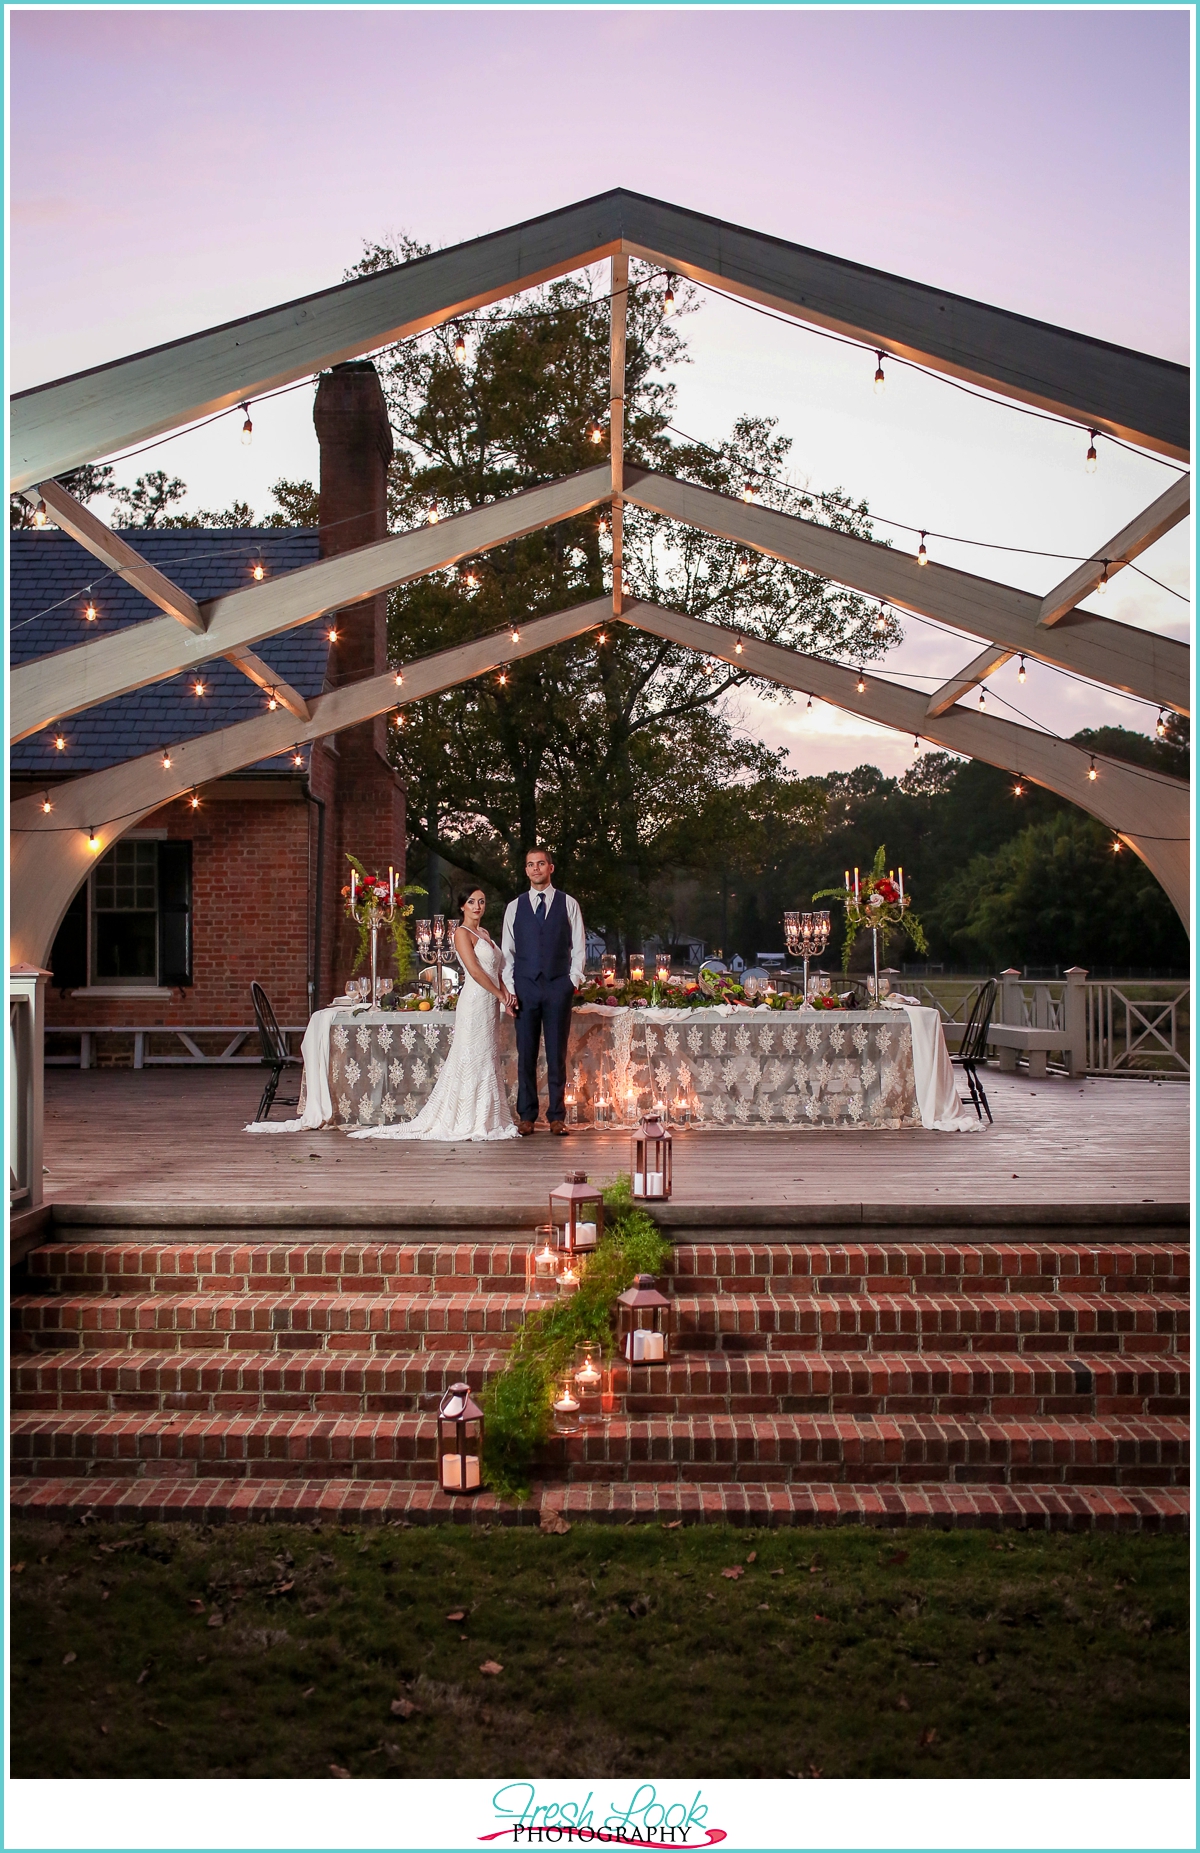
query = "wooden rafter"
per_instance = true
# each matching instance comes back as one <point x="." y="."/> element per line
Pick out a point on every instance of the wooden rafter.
<point x="619" y="290"/>
<point x="267" y="679"/>
<point x="74" y="519"/>
<point x="1171" y="507"/>
<point x="1138" y="662"/>
<point x="984" y="665"/>
<point x="90" y="415"/>
<point x="53" y="687"/>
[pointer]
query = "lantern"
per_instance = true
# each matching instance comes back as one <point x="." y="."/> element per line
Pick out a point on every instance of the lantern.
<point x="588" y="1381"/>
<point x="602" y="1110"/>
<point x="577" y="1214"/>
<point x="541" y="1263"/>
<point x="650" y="1168"/>
<point x="637" y="967"/>
<point x="608" y="970"/>
<point x="644" y="1323"/>
<point x="571" y="1102"/>
<point x="460" y="1440"/>
<point x="662" y="968"/>
<point x="566" y="1407"/>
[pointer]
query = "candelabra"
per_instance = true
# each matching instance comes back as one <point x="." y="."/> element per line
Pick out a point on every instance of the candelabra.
<point x="807" y="936"/>
<point x="432" y="941"/>
<point x="373" y="905"/>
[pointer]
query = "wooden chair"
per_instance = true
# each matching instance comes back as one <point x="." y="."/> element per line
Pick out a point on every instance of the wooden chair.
<point x="973" y="1048"/>
<point x="275" y="1054"/>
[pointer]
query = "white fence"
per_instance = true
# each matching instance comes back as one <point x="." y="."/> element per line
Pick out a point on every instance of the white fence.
<point x="1108" y="1028"/>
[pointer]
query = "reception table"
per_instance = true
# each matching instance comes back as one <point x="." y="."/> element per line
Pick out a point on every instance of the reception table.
<point x="845" y="1070"/>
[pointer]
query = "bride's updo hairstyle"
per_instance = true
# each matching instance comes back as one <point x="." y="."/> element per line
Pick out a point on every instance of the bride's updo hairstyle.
<point x="464" y="895"/>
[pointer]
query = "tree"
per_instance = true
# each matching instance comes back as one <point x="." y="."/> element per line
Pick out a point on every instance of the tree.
<point x="605" y="749"/>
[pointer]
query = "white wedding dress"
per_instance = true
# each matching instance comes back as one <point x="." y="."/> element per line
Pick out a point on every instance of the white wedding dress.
<point x="468" y="1100"/>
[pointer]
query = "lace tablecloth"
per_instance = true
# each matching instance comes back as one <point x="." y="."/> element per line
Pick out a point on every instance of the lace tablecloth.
<point x="844" y="1070"/>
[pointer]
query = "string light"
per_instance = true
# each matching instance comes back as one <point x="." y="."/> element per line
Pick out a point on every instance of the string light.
<point x="1160" y="726"/>
<point x="515" y="634"/>
<point x="1089" y="462"/>
<point x="247" y="428"/>
<point x="332" y="633"/>
<point x="881" y="620"/>
<point x="503" y="678"/>
<point x="1021" y="671"/>
<point x="922" y="551"/>
<point x="433" y="515"/>
<point x="272" y="701"/>
<point x="399" y="678"/>
<point x="60" y="744"/>
<point x="1092" y="772"/>
<point x="603" y="637"/>
<point x="47" y="807"/>
<point x="89" y="610"/>
<point x="743" y="566"/>
<point x="195" y="800"/>
<point x="982" y="702"/>
<point x="1019" y="787"/>
<point x="749" y="493"/>
<point x="39" y="515"/>
<point x="1103" y="585"/>
<point x="460" y="347"/>
<point x="809" y="704"/>
<point x="297" y="757"/>
<point x="880" y="382"/>
<point x="166" y="762"/>
<point x="861" y="684"/>
<point x="737" y="648"/>
<point x="604" y="524"/>
<point x="669" y="295"/>
<point x="399" y="720"/>
<point x="916" y="743"/>
<point x="198" y="686"/>
<point x="596" y="431"/>
<point x="258" y="570"/>
<point x="1116" y="843"/>
<point x="93" y="841"/>
<point x="470" y="579"/>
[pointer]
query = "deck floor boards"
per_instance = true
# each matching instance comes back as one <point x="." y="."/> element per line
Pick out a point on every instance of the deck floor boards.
<point x="175" y="1136"/>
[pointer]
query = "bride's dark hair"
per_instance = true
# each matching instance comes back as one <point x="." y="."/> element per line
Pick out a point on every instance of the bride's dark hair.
<point x="464" y="895"/>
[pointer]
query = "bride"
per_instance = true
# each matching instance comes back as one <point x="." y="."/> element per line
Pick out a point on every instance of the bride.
<point x="468" y="1100"/>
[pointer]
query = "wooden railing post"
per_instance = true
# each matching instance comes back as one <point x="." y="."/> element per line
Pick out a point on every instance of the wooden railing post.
<point x="1074" y="1019"/>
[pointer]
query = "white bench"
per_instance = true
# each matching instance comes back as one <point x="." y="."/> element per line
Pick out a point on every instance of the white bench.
<point x="1010" y="1042"/>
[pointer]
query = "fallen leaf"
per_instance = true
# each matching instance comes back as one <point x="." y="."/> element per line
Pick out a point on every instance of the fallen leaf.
<point x="674" y="1525"/>
<point x="403" y="1708"/>
<point x="158" y="1723"/>
<point x="753" y="1557"/>
<point x="216" y="1619"/>
<point x="764" y="1605"/>
<point x="813" y="1568"/>
<point x="928" y="1737"/>
<point x="775" y="1572"/>
<point x="104" y="1730"/>
<point x="898" y="1557"/>
<point x="17" y="1569"/>
<point x="819" y="1618"/>
<point x="142" y="1676"/>
<point x="552" y="1522"/>
<point x="457" y="1615"/>
<point x="196" y="1603"/>
<point x="902" y="1704"/>
<point x="734" y="1573"/>
<point x="309" y="1693"/>
<point x="708" y="1596"/>
<point x="105" y="1594"/>
<point x="491" y="1666"/>
<point x="335" y="1769"/>
<point x="638" y="1607"/>
<point x="67" y="1658"/>
<point x="814" y="1771"/>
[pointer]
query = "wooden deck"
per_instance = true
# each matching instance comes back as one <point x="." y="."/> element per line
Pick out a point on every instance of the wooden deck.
<point x="174" y="1136"/>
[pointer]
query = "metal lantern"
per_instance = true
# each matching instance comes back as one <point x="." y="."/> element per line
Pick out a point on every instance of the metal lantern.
<point x="637" y="967"/>
<point x="608" y="970"/>
<point x="650" y="1168"/>
<point x="644" y="1323"/>
<point x="577" y="1214"/>
<point x="588" y="1381"/>
<point x="460" y="1441"/>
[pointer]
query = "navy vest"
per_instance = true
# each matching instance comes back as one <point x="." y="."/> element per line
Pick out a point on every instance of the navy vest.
<point x="542" y="950"/>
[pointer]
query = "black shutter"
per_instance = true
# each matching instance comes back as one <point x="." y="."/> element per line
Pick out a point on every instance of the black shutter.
<point x="174" y="913"/>
<point x="68" y="957"/>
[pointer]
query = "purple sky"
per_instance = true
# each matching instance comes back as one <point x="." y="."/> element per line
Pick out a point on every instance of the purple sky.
<point x="172" y="170"/>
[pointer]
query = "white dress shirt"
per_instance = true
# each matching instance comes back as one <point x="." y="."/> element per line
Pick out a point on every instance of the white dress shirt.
<point x="574" y="921"/>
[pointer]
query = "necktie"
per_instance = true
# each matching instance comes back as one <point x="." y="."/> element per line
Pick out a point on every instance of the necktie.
<point x="540" y="909"/>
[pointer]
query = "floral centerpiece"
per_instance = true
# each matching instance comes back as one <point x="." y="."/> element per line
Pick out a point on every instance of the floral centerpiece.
<point x="877" y="901"/>
<point x="375" y="901"/>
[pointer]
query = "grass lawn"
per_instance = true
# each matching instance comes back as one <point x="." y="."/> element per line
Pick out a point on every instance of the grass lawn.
<point x="275" y="1651"/>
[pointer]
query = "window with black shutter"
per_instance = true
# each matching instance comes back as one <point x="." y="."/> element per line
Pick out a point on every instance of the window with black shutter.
<point x="174" y="913"/>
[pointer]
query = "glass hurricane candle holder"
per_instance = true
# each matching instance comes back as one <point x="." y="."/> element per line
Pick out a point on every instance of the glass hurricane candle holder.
<point x="608" y="970"/>
<point x="571" y="1103"/>
<point x="566" y="1407"/>
<point x="541" y="1263"/>
<point x="460" y="1441"/>
<point x="637" y="967"/>
<point x="681" y="1110"/>
<point x="630" y="1106"/>
<point x="602" y="1110"/>
<point x="662" y="968"/>
<point x="424" y="933"/>
<point x="588" y="1381"/>
<point x="570" y="1275"/>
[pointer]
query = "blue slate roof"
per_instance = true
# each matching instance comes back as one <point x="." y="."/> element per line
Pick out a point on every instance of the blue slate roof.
<point x="49" y="580"/>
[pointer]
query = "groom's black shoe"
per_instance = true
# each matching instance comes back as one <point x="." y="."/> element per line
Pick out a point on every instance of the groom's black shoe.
<point x="558" y="1128"/>
<point x="524" y="1127"/>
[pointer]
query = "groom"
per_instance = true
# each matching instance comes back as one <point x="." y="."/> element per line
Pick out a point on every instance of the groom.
<point x="544" y="955"/>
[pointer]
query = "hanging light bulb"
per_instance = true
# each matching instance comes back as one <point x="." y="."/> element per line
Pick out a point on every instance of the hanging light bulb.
<point x="1089" y="462"/>
<point x="47" y="807"/>
<point x="604" y="524"/>
<point x="1092" y="772"/>
<point x="743" y="566"/>
<point x="297" y="757"/>
<point x="1103" y="585"/>
<point x="399" y="678"/>
<point x="258" y="570"/>
<point x="861" y="684"/>
<point x="166" y="761"/>
<point x="60" y="744"/>
<point x="247" y="428"/>
<point x="1160" y="726"/>
<point x="881" y="620"/>
<point x="737" y="648"/>
<point x="503" y="678"/>
<point x="1116" y="843"/>
<point x="596" y="431"/>
<point x="809" y="704"/>
<point x="916" y="743"/>
<point x="332" y="633"/>
<point x="89" y="610"/>
<point x="603" y="637"/>
<point x="399" y="720"/>
<point x="880" y="382"/>
<point x="272" y="701"/>
<point x="748" y="493"/>
<point x="93" y="841"/>
<point x="515" y="634"/>
<point x="433" y="515"/>
<point x="669" y="295"/>
<point x="460" y="347"/>
<point x="39" y="515"/>
<point x="982" y="702"/>
<point x="1019" y="787"/>
<point x="922" y="551"/>
<point x="195" y="800"/>
<point x="470" y="579"/>
<point x="198" y="687"/>
<point x="1021" y="671"/>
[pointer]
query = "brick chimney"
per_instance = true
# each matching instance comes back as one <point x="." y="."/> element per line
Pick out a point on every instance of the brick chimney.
<point x="364" y="793"/>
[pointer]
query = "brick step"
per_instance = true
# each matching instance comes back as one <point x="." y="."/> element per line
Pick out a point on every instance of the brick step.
<point x="375" y="1267"/>
<point x="705" y="1383"/>
<point x="943" y="1506"/>
<point x="745" y="1322"/>
<point x="1147" y="1450"/>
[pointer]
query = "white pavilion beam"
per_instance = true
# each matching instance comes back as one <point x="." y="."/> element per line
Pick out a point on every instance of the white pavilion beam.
<point x="984" y="665"/>
<point x="55" y="686"/>
<point x="1138" y="662"/>
<point x="77" y="521"/>
<point x="616" y="420"/>
<point x="1171" y="507"/>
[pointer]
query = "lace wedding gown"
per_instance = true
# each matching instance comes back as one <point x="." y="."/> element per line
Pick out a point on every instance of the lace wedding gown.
<point x="469" y="1099"/>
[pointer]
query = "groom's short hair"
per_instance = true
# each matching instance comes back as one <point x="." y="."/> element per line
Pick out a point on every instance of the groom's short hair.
<point x="539" y="849"/>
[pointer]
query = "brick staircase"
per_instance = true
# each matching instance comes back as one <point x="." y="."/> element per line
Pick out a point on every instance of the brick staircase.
<point x="830" y="1368"/>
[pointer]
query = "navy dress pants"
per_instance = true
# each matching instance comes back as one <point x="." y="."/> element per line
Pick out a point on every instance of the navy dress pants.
<point x="545" y="1010"/>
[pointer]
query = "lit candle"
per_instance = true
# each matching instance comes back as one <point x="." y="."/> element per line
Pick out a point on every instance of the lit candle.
<point x="391" y="885"/>
<point x="585" y="1235"/>
<point x="856" y="884"/>
<point x="544" y="1262"/>
<point x="568" y="1280"/>
<point x="847" y="881"/>
<point x="566" y="1405"/>
<point x="902" y="887"/>
<point x="353" y="884"/>
<point x="588" y="1377"/>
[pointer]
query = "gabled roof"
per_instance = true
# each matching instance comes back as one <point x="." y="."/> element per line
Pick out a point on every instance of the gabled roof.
<point x="49" y="579"/>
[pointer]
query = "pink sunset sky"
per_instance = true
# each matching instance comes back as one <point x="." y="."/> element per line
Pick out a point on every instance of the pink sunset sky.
<point x="171" y="170"/>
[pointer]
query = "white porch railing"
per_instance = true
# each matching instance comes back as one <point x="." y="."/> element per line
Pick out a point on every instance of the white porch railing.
<point x="1138" y="1028"/>
<point x="26" y="992"/>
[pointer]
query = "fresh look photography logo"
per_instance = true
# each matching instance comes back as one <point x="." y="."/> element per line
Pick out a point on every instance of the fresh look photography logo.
<point x="647" y="1819"/>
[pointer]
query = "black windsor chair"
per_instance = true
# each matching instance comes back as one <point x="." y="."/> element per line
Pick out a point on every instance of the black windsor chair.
<point x="973" y="1048"/>
<point x="275" y="1053"/>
